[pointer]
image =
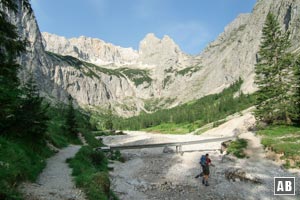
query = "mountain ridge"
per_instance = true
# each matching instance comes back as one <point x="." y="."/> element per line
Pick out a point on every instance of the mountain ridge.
<point x="162" y="73"/>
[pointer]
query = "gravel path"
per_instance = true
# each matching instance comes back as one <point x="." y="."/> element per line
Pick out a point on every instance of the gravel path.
<point x="55" y="182"/>
<point x="149" y="174"/>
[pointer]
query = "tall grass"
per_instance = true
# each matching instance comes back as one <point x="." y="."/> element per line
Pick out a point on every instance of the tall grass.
<point x="283" y="140"/>
<point x="91" y="172"/>
<point x="19" y="161"/>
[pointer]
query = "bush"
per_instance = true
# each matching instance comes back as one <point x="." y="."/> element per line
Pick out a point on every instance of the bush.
<point x="97" y="157"/>
<point x="101" y="179"/>
<point x="237" y="148"/>
<point x="91" y="173"/>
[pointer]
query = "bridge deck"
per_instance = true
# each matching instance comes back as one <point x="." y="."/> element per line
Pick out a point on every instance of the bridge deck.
<point x="177" y="144"/>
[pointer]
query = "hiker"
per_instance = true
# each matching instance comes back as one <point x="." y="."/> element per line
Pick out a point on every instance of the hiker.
<point x="202" y="162"/>
<point x="206" y="170"/>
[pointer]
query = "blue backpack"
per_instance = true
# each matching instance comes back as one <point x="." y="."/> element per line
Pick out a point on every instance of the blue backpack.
<point x="203" y="160"/>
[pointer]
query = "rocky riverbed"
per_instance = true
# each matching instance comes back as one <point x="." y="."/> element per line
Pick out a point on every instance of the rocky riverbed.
<point x="152" y="174"/>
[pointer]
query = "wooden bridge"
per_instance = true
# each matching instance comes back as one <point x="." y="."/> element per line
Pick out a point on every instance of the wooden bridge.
<point x="177" y="144"/>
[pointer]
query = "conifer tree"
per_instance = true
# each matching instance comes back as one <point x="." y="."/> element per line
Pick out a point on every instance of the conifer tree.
<point x="296" y="91"/>
<point x="109" y="121"/>
<point x="32" y="115"/>
<point x="10" y="47"/>
<point x="71" y="124"/>
<point x="271" y="71"/>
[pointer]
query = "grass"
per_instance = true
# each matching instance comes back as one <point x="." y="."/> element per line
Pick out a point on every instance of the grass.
<point x="23" y="160"/>
<point x="283" y="140"/>
<point x="19" y="162"/>
<point x="237" y="148"/>
<point x="172" y="128"/>
<point x="89" y="167"/>
<point x="90" y="170"/>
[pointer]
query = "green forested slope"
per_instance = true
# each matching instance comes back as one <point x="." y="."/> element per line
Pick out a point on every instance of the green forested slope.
<point x="193" y="114"/>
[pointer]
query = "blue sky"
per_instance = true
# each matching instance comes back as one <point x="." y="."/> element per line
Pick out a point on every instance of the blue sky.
<point x="191" y="23"/>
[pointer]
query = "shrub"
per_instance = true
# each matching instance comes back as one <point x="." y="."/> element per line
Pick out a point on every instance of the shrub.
<point x="237" y="148"/>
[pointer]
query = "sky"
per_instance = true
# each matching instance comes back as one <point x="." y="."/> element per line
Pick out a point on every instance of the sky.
<point x="192" y="24"/>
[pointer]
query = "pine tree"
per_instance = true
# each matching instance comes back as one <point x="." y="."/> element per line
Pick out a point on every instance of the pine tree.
<point x="32" y="115"/>
<point x="10" y="47"/>
<point x="296" y="91"/>
<point x="271" y="69"/>
<point x="109" y="120"/>
<point x="71" y="124"/>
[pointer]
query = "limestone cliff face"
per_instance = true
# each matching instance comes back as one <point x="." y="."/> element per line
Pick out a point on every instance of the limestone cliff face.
<point x="234" y="52"/>
<point x="90" y="50"/>
<point x="97" y="73"/>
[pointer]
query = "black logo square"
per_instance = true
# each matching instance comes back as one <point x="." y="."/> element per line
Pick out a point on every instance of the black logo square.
<point x="284" y="185"/>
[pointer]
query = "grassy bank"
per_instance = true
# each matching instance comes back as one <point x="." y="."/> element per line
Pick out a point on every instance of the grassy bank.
<point x="283" y="140"/>
<point x="19" y="161"/>
<point x="91" y="172"/>
<point x="23" y="159"/>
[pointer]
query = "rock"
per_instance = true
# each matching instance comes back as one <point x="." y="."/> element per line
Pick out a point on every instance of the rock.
<point x="168" y="150"/>
<point x="228" y="158"/>
<point x="224" y="145"/>
<point x="236" y="174"/>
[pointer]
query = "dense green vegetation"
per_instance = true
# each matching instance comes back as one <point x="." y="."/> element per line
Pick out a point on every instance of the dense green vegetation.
<point x="23" y="158"/>
<point x="278" y="97"/>
<point x="28" y="122"/>
<point x="237" y="148"/>
<point x="277" y="77"/>
<point x="19" y="161"/>
<point x="285" y="140"/>
<point x="90" y="170"/>
<point x="194" y="114"/>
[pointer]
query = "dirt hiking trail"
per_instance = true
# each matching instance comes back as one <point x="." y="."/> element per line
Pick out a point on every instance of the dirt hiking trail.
<point x="55" y="182"/>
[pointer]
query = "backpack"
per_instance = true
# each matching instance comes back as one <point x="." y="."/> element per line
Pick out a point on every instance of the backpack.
<point x="203" y="160"/>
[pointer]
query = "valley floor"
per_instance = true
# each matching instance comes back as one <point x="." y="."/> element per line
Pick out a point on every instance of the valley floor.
<point x="152" y="174"/>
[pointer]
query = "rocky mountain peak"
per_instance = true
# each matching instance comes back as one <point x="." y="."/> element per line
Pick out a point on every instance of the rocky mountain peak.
<point x="161" y="70"/>
<point x="154" y="44"/>
<point x="155" y="51"/>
